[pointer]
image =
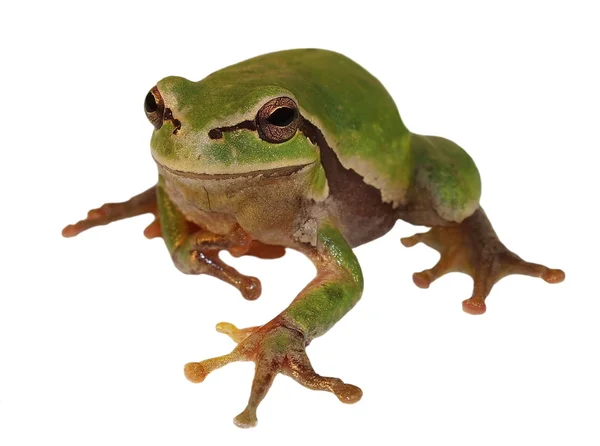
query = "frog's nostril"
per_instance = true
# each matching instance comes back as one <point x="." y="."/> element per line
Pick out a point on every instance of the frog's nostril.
<point x="154" y="107"/>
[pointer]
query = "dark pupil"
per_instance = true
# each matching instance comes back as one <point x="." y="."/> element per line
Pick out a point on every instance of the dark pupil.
<point x="150" y="103"/>
<point x="282" y="117"/>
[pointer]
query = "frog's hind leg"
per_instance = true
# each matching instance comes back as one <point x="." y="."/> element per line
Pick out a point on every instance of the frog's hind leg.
<point x="445" y="196"/>
<point x="144" y="203"/>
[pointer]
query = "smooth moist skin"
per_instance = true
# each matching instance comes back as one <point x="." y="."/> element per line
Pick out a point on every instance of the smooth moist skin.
<point x="304" y="149"/>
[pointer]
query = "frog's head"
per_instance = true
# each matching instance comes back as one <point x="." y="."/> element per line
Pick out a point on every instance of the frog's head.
<point x="226" y="127"/>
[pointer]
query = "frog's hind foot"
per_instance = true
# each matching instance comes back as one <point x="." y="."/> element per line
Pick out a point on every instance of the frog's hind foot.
<point x="274" y="349"/>
<point x="144" y="203"/>
<point x="473" y="248"/>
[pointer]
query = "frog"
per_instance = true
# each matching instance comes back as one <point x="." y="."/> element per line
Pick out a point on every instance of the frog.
<point x="304" y="149"/>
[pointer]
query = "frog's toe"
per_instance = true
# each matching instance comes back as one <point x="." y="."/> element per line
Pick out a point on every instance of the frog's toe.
<point x="445" y="265"/>
<point x="474" y="305"/>
<point x="208" y="262"/>
<point x="423" y="279"/>
<point x="236" y="334"/>
<point x="246" y="419"/>
<point x="196" y="372"/>
<point x="300" y="369"/>
<point x="268" y="365"/>
<point x="95" y="217"/>
<point x="250" y="287"/>
<point x="450" y="261"/>
<point x="153" y="230"/>
<point x="412" y="240"/>
<point x="554" y="275"/>
<point x="515" y="265"/>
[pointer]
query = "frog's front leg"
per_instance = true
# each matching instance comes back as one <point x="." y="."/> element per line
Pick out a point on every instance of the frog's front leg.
<point x="196" y="251"/>
<point x="279" y="346"/>
<point x="445" y="191"/>
<point x="144" y="203"/>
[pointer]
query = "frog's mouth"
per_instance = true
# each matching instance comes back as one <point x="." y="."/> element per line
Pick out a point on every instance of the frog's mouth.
<point x="265" y="173"/>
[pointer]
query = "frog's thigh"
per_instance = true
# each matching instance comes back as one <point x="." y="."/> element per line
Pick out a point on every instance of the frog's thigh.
<point x="446" y="178"/>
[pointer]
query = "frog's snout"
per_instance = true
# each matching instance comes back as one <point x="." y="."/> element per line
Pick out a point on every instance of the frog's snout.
<point x="157" y="113"/>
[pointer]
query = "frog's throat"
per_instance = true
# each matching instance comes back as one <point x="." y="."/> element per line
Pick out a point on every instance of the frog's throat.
<point x="265" y="173"/>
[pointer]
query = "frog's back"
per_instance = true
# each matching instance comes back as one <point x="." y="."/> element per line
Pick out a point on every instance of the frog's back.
<point x="353" y="110"/>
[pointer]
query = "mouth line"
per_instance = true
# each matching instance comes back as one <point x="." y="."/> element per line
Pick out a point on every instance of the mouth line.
<point x="266" y="173"/>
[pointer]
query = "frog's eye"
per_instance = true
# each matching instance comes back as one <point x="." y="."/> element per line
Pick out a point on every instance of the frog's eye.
<point x="278" y="120"/>
<point x="154" y="107"/>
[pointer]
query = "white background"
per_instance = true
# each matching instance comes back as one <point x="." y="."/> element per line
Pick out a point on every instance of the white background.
<point x="94" y="331"/>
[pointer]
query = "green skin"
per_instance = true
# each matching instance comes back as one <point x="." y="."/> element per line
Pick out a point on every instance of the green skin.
<point x="233" y="189"/>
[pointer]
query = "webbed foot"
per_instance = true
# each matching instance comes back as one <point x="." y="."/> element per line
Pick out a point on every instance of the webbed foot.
<point x="198" y="253"/>
<point x="472" y="247"/>
<point x="275" y="349"/>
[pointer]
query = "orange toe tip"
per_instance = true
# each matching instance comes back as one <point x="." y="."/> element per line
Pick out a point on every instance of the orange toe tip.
<point x="421" y="281"/>
<point x="69" y="231"/>
<point x="349" y="394"/>
<point x="238" y="251"/>
<point x="225" y="327"/>
<point x="554" y="276"/>
<point x="252" y="289"/>
<point x="151" y="233"/>
<point x="407" y="242"/>
<point x="194" y="372"/>
<point x="474" y="307"/>
<point x="245" y="420"/>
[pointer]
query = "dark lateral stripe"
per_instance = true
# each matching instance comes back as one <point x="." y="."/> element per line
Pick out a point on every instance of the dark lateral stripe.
<point x="346" y="185"/>
<point x="217" y="133"/>
<point x="314" y="134"/>
<point x="176" y="122"/>
<point x="329" y="159"/>
<point x="334" y="171"/>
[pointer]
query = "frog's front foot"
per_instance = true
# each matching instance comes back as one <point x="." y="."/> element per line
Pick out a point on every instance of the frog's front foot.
<point x="275" y="349"/>
<point x="198" y="253"/>
<point x="472" y="247"/>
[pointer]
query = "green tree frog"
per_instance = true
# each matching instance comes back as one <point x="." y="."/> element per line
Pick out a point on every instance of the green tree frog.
<point x="304" y="149"/>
